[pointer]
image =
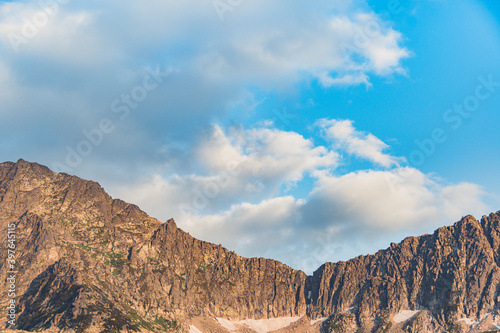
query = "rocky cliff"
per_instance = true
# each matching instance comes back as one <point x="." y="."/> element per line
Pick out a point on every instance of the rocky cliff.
<point x="453" y="274"/>
<point x="90" y="263"/>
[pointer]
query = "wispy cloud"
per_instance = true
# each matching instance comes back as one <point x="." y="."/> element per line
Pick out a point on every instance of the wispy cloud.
<point x="343" y="135"/>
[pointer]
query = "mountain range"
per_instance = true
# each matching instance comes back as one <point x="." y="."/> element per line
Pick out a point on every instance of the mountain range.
<point x="85" y="262"/>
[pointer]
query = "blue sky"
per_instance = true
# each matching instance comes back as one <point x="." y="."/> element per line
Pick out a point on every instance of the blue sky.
<point x="301" y="132"/>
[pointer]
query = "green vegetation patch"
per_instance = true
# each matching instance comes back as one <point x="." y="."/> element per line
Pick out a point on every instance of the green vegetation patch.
<point x="341" y="322"/>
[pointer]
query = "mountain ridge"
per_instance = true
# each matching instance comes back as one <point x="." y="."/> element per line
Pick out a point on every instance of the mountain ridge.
<point x="99" y="264"/>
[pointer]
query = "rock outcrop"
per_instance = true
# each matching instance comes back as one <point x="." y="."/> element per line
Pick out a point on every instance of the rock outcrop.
<point x="86" y="260"/>
<point x="453" y="274"/>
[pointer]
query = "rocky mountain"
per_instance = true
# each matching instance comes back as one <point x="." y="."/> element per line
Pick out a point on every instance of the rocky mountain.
<point x="88" y="263"/>
<point x="452" y="274"/>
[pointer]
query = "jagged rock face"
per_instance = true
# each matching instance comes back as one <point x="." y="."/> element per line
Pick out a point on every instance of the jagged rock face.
<point x="453" y="273"/>
<point x="209" y="279"/>
<point x="90" y="263"/>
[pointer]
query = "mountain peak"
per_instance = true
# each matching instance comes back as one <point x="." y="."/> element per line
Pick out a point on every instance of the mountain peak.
<point x="23" y="168"/>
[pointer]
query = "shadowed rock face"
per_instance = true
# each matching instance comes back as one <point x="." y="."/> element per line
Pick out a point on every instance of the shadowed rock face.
<point x="88" y="263"/>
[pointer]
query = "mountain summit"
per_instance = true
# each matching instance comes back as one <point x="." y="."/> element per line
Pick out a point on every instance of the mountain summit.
<point x="85" y="262"/>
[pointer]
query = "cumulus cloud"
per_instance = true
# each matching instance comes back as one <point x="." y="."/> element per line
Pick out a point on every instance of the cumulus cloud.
<point x="275" y="218"/>
<point x="233" y="166"/>
<point x="264" y="153"/>
<point x="364" y="145"/>
<point x="344" y="216"/>
<point x="388" y="201"/>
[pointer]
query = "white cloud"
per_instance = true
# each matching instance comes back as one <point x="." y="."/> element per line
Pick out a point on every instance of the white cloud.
<point x="247" y="218"/>
<point x="400" y="199"/>
<point x="337" y="49"/>
<point x="364" y="145"/>
<point x="55" y="34"/>
<point x="344" y="216"/>
<point x="265" y="154"/>
<point x="461" y="199"/>
<point x="327" y="80"/>
<point x="379" y="45"/>
<point x="229" y="168"/>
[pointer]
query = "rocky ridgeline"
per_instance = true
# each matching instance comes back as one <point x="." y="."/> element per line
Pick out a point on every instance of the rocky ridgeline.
<point x="90" y="263"/>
